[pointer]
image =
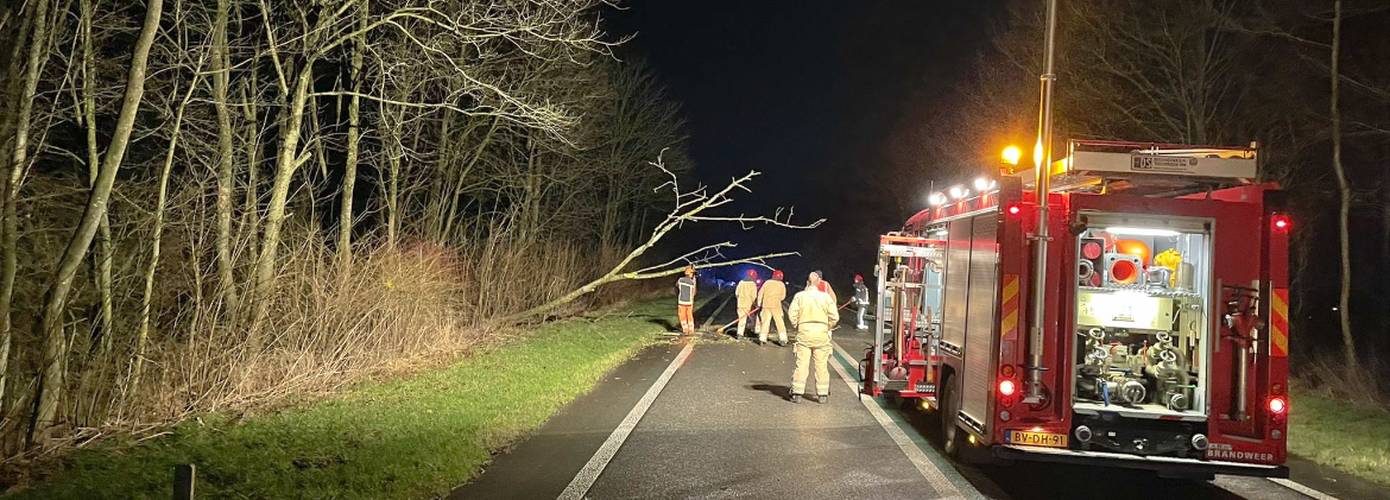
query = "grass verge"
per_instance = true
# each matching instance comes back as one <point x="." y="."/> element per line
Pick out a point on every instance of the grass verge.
<point x="413" y="438"/>
<point x="1348" y="436"/>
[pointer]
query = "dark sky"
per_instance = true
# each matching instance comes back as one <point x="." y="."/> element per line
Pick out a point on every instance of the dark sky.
<point x="828" y="99"/>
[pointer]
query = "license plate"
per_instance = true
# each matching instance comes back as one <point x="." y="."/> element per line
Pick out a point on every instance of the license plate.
<point x="1028" y="438"/>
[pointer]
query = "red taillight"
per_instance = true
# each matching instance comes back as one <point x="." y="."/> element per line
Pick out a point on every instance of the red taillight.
<point x="1277" y="406"/>
<point x="1007" y="388"/>
<point x="1281" y="222"/>
<point x="1013" y="209"/>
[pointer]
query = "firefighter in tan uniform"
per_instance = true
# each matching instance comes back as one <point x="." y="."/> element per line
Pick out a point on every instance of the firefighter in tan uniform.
<point x="813" y="314"/>
<point x="770" y="298"/>
<point x="746" y="293"/>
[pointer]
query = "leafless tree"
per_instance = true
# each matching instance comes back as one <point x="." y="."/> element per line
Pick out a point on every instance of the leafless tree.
<point x="51" y="324"/>
<point x="690" y="206"/>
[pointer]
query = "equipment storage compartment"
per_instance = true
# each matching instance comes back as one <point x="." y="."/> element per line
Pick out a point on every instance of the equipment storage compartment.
<point x="1142" y="299"/>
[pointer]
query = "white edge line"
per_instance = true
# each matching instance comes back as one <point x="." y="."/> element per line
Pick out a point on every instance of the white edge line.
<point x="1299" y="487"/>
<point x="585" y="478"/>
<point x="934" y="476"/>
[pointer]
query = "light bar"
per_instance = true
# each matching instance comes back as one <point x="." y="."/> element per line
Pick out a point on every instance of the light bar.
<point x="981" y="184"/>
<point x="1141" y="231"/>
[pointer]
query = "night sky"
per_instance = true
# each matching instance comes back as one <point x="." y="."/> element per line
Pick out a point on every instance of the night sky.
<point x="827" y="99"/>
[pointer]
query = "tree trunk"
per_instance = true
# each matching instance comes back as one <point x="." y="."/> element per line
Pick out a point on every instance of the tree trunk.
<point x="19" y="160"/>
<point x="226" y="283"/>
<point x="8" y="131"/>
<point x="251" y="211"/>
<point x="390" y="188"/>
<point x="286" y="162"/>
<point x="463" y="177"/>
<point x="51" y="326"/>
<point x="102" y="262"/>
<point x="141" y="338"/>
<point x="1344" y="190"/>
<point x="354" y="133"/>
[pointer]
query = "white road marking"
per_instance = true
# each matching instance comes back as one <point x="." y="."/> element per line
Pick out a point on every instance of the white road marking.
<point x="944" y="488"/>
<point x="585" y="478"/>
<point x="929" y="470"/>
<point x="1299" y="487"/>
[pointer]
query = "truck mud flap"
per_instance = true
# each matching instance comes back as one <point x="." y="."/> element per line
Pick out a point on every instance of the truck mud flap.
<point x="1163" y="465"/>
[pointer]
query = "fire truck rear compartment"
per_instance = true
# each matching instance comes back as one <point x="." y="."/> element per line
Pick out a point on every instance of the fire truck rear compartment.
<point x="1142" y="299"/>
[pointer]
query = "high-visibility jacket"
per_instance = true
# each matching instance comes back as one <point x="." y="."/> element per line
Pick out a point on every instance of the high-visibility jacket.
<point x="685" y="291"/>
<point x="861" y="293"/>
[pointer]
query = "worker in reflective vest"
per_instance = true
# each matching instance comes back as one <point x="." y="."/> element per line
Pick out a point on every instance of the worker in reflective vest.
<point x="861" y="297"/>
<point x="813" y="314"/>
<point x="685" y="300"/>
<point x="770" y="298"/>
<point x="746" y="293"/>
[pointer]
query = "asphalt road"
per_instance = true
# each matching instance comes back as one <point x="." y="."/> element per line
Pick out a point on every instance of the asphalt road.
<point x="708" y="419"/>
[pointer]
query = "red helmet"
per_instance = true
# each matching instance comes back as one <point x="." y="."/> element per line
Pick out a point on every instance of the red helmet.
<point x="858" y="279"/>
<point x="777" y="274"/>
<point x="752" y="274"/>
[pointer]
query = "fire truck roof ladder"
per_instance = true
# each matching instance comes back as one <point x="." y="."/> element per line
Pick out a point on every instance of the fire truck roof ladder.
<point x="1152" y="169"/>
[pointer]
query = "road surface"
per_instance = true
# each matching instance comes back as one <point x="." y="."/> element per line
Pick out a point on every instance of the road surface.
<point x="708" y="419"/>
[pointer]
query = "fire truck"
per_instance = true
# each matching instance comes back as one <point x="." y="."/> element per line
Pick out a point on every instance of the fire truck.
<point x="1160" y="337"/>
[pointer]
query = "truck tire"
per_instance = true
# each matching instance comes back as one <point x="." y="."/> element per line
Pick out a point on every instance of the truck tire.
<point x="951" y="436"/>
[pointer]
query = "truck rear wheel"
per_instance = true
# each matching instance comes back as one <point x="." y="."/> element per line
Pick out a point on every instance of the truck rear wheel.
<point x="950" y="405"/>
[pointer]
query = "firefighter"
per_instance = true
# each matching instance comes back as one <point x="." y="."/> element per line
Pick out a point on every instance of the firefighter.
<point x="746" y="293"/>
<point x="813" y="314"/>
<point x="861" y="298"/>
<point x="820" y="278"/>
<point x="685" y="300"/>
<point x="770" y="298"/>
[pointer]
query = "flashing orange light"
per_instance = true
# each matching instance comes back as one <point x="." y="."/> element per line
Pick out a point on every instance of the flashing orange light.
<point x="1011" y="155"/>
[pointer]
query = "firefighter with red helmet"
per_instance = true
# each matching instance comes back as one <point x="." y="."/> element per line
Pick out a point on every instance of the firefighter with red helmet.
<point x="746" y="295"/>
<point x="685" y="300"/>
<point x="829" y="290"/>
<point x="770" y="298"/>
<point x="861" y="298"/>
<point x="813" y="314"/>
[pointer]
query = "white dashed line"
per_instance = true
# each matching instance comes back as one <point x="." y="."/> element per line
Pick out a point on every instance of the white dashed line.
<point x="587" y="475"/>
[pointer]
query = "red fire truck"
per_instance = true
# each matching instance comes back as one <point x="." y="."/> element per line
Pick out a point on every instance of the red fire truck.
<point x="1164" y="336"/>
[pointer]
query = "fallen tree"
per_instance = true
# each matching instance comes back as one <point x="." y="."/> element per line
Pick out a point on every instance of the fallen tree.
<point x="690" y="207"/>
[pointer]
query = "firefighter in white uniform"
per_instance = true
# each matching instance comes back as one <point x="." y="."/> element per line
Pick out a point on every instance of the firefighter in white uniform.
<point x="813" y="314"/>
<point x="746" y="293"/>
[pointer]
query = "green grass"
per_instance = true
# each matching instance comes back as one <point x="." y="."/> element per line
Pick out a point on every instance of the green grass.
<point x="412" y="438"/>
<point x="1354" y="438"/>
